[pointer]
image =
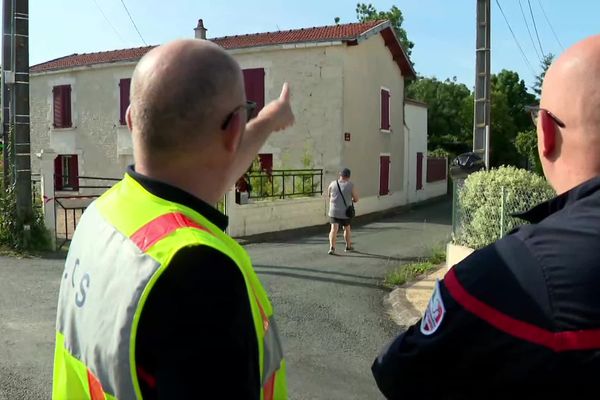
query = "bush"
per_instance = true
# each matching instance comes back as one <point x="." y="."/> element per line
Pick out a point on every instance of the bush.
<point x="489" y="198"/>
<point x="12" y="232"/>
<point x="439" y="153"/>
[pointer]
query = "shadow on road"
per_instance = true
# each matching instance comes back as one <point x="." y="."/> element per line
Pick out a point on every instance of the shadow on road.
<point x="372" y="282"/>
<point x="363" y="254"/>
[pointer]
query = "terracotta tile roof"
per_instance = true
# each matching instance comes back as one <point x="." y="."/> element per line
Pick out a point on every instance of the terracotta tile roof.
<point x="102" y="57"/>
<point x="345" y="32"/>
<point x="317" y="34"/>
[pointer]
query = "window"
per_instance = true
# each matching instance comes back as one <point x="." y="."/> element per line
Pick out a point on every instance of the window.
<point x="419" y="171"/>
<point x="385" y="109"/>
<point x="254" y="83"/>
<point x="384" y="175"/>
<point x="124" y="86"/>
<point x="62" y="106"/>
<point x="66" y="172"/>
<point x="266" y="162"/>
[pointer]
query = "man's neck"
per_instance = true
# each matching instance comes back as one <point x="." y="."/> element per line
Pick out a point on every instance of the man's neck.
<point x="206" y="186"/>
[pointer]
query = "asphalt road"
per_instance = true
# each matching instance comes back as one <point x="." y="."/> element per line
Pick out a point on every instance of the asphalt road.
<point x="329" y="308"/>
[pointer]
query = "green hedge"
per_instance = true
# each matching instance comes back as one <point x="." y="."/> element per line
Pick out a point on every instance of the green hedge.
<point x="489" y="198"/>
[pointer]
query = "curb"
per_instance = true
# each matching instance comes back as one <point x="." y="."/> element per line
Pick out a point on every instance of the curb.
<point x="406" y="304"/>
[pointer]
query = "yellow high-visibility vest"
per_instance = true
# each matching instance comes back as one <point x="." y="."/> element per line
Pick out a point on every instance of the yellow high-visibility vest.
<point x="123" y="243"/>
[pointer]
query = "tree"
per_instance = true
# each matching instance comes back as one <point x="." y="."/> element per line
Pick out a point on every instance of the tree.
<point x="509" y="116"/>
<point x="366" y="12"/>
<point x="450" y="113"/>
<point x="517" y="97"/>
<point x="526" y="144"/>
<point x="539" y="79"/>
<point x="503" y="131"/>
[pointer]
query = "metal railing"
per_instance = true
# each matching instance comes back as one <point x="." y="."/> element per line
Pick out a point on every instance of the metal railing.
<point x="282" y="184"/>
<point x="74" y="205"/>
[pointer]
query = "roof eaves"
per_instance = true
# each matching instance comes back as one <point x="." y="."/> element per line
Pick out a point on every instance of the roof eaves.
<point x="412" y="69"/>
<point x="79" y="67"/>
<point x="374" y="30"/>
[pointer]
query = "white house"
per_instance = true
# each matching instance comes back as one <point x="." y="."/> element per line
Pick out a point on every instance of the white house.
<point x="347" y="86"/>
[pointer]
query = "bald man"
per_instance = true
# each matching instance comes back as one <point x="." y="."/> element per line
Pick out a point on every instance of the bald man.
<point x="156" y="302"/>
<point x="521" y="317"/>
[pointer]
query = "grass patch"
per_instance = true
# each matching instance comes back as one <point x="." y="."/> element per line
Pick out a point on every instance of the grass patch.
<point x="409" y="272"/>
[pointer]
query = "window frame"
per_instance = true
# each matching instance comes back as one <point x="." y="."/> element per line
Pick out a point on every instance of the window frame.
<point x="123" y="107"/>
<point x="389" y="114"/>
<point x="64" y="91"/>
<point x="389" y="182"/>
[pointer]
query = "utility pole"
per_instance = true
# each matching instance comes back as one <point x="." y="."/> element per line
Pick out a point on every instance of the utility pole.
<point x="483" y="102"/>
<point x="17" y="83"/>
<point x="7" y="63"/>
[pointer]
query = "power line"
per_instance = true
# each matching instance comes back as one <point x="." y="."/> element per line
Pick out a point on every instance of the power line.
<point x="515" y="38"/>
<point x="529" y="31"/>
<point x="535" y="28"/>
<point x="134" y="25"/>
<point x="551" y="27"/>
<point x="109" y="23"/>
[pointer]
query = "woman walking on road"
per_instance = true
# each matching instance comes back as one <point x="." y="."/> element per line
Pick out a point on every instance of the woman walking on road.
<point x="341" y="195"/>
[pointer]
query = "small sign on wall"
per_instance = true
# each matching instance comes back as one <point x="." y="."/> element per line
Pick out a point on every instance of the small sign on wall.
<point x="347" y="136"/>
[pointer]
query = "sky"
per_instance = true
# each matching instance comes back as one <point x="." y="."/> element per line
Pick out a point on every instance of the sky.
<point x="443" y="30"/>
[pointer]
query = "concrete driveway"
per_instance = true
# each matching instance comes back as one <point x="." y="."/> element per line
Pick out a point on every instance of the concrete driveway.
<point x="329" y="308"/>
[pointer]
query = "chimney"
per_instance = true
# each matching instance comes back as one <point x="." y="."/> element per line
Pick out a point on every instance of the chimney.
<point x="200" y="30"/>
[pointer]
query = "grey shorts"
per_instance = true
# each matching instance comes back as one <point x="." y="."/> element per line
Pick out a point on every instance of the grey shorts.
<point x="340" y="221"/>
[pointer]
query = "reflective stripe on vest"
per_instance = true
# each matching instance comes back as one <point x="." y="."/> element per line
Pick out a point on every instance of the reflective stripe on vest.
<point x="132" y="234"/>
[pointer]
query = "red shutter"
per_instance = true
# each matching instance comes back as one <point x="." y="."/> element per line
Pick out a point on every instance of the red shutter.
<point x="419" y="171"/>
<point x="67" y="123"/>
<point x="385" y="109"/>
<point x="74" y="172"/>
<point x="266" y="162"/>
<point x="124" y="89"/>
<point x="384" y="175"/>
<point x="58" y="106"/>
<point x="254" y="82"/>
<point x="58" y="173"/>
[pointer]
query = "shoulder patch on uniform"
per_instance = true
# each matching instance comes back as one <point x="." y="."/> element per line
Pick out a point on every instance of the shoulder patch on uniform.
<point x="435" y="312"/>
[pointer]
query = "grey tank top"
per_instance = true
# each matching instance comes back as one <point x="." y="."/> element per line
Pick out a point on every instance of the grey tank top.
<point x="336" y="204"/>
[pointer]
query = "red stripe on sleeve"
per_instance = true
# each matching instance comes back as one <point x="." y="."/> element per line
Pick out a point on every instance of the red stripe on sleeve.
<point x="557" y="341"/>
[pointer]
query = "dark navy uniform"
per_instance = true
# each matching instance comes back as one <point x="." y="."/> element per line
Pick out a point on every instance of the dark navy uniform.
<point x="520" y="317"/>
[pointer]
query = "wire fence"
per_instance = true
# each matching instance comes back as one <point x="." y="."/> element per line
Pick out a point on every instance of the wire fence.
<point x="479" y="221"/>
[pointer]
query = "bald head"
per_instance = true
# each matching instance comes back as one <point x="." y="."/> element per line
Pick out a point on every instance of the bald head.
<point x="179" y="92"/>
<point x="571" y="91"/>
<point x="571" y="86"/>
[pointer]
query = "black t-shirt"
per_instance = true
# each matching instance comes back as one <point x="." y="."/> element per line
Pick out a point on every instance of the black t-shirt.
<point x="196" y="333"/>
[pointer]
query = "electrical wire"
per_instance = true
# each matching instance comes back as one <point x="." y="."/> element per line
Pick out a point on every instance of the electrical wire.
<point x="535" y="28"/>
<point x="551" y="27"/>
<point x="133" y="22"/>
<point x="515" y="38"/>
<point x="110" y="23"/>
<point x="529" y="31"/>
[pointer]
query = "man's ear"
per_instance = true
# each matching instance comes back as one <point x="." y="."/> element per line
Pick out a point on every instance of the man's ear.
<point x="232" y="135"/>
<point x="128" y="118"/>
<point x="549" y="132"/>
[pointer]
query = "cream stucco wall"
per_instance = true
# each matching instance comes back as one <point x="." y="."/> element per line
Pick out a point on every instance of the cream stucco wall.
<point x="315" y="78"/>
<point x="416" y="138"/>
<point x="103" y="145"/>
<point x="369" y="67"/>
<point x="274" y="216"/>
<point x="314" y="74"/>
